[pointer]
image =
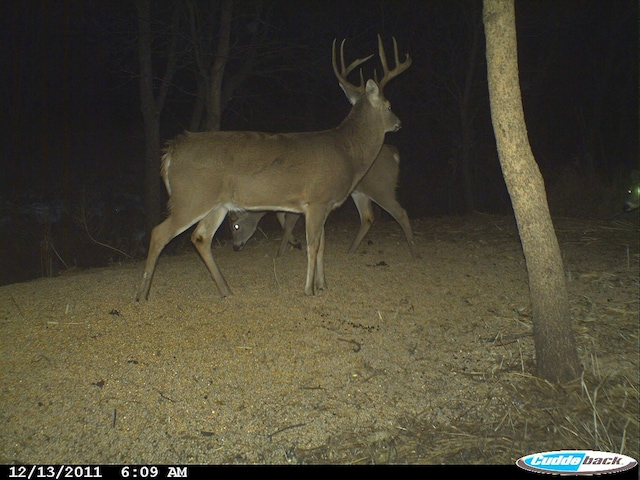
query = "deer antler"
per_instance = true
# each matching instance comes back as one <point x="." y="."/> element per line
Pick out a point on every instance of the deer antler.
<point x="400" y="66"/>
<point x="350" y="89"/>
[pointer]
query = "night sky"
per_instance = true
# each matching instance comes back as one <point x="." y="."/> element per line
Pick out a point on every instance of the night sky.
<point x="73" y="129"/>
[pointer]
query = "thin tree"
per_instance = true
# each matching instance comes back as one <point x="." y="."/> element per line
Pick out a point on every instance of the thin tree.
<point x="210" y="65"/>
<point x="464" y="103"/>
<point x="213" y="46"/>
<point x="556" y="353"/>
<point x="151" y="103"/>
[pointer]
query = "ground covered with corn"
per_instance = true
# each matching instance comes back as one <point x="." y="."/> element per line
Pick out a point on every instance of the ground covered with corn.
<point x="399" y="360"/>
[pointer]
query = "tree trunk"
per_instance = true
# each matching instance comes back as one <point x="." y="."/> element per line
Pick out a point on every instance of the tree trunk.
<point x="557" y="357"/>
<point x="151" y="107"/>
<point x="466" y="114"/>
<point x="216" y="85"/>
<point x="151" y="118"/>
<point x="214" y="105"/>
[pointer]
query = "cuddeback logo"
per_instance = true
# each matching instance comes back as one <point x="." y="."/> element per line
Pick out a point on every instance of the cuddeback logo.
<point x="576" y="462"/>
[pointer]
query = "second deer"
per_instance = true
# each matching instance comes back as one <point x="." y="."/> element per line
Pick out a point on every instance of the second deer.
<point x="210" y="174"/>
<point x="378" y="185"/>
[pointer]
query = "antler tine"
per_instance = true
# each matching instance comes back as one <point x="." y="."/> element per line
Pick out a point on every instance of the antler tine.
<point x="400" y="66"/>
<point x="354" y="64"/>
<point x="344" y="72"/>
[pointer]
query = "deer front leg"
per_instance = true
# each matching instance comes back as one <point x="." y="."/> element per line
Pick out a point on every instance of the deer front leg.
<point x="314" y="219"/>
<point x="160" y="236"/>
<point x="201" y="238"/>
<point x="319" y="279"/>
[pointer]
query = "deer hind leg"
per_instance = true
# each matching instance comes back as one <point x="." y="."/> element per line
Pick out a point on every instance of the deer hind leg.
<point x="160" y="236"/>
<point x="201" y="238"/>
<point x="363" y="204"/>
<point x="400" y="215"/>
<point x="288" y="222"/>
<point x="315" y="218"/>
<point x="320" y="280"/>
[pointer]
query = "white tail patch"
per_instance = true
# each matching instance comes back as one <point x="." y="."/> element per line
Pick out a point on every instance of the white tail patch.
<point x="164" y="171"/>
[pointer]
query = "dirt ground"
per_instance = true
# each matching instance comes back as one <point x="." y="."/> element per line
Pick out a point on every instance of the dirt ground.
<point x="398" y="361"/>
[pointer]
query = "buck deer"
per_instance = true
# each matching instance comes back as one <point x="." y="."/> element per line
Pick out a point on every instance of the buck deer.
<point x="378" y="184"/>
<point x="210" y="174"/>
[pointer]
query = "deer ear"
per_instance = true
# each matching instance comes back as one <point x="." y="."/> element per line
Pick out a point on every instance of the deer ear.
<point x="351" y="96"/>
<point x="372" y="91"/>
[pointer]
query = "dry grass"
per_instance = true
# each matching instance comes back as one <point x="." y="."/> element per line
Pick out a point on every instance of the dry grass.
<point x="599" y="411"/>
<point x="591" y="413"/>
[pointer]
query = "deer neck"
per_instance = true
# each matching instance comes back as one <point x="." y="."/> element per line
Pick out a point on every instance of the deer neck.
<point x="361" y="134"/>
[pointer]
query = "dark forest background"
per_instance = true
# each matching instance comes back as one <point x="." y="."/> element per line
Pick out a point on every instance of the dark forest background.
<point x="73" y="146"/>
